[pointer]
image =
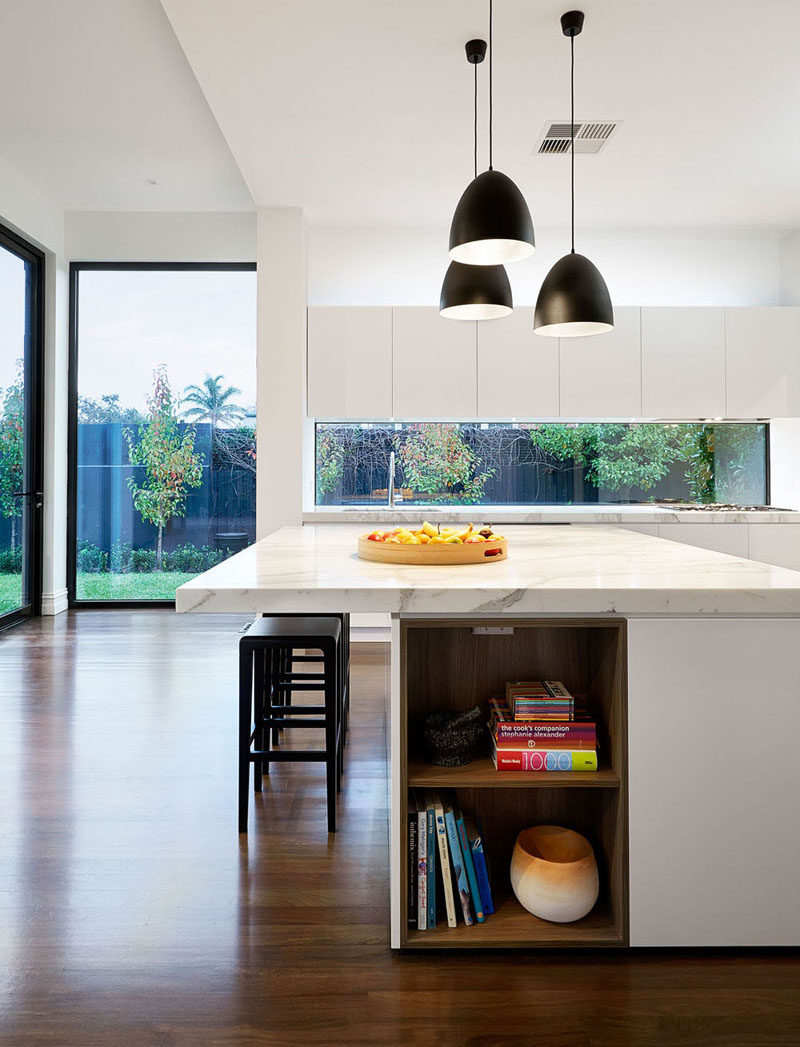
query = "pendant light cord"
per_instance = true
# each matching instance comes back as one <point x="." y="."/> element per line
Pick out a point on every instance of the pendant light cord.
<point x="572" y="134"/>
<point x="491" y="102"/>
<point x="475" y="125"/>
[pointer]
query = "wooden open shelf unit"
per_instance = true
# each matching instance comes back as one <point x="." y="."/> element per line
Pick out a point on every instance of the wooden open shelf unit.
<point x="445" y="665"/>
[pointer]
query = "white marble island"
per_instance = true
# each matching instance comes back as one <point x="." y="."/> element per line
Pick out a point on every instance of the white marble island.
<point x="691" y="662"/>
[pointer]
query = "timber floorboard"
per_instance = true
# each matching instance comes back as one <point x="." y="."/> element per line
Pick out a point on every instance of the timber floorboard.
<point x="132" y="913"/>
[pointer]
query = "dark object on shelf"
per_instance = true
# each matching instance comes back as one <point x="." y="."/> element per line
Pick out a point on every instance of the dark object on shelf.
<point x="231" y="541"/>
<point x="453" y="739"/>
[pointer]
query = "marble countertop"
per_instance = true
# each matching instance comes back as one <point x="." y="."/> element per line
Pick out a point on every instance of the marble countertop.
<point x="608" y="514"/>
<point x="550" y="570"/>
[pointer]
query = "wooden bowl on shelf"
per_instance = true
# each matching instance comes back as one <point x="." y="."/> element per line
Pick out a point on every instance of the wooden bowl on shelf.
<point x="554" y="873"/>
<point x="492" y="551"/>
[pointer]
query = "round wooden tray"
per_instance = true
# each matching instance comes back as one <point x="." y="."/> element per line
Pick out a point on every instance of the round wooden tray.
<point x="433" y="555"/>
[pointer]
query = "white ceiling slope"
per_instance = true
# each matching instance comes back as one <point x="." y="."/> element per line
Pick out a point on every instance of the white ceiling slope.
<point x="97" y="101"/>
<point x="361" y="110"/>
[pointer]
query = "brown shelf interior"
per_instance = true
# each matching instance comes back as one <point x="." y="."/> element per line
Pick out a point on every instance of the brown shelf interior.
<point x="446" y="666"/>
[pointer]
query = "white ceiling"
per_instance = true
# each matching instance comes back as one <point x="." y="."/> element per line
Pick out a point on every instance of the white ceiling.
<point x="361" y="110"/>
<point x="96" y="98"/>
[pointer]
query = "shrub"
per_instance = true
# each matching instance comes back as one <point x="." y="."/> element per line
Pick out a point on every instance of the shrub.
<point x="189" y="559"/>
<point x="11" y="560"/>
<point x="143" y="560"/>
<point x="91" y="560"/>
<point x="120" y="559"/>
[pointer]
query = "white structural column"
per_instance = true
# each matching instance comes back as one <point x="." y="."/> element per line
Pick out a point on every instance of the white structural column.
<point x="56" y="372"/>
<point x="282" y="302"/>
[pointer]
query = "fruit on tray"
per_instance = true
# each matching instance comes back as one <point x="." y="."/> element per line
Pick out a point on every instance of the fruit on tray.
<point x="432" y="534"/>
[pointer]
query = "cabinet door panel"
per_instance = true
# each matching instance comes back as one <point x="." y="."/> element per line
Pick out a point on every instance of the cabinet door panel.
<point x="601" y="376"/>
<point x="349" y="362"/>
<point x="683" y="363"/>
<point x="763" y="362"/>
<point x="714" y="833"/>
<point x="517" y="371"/>
<point x="434" y="365"/>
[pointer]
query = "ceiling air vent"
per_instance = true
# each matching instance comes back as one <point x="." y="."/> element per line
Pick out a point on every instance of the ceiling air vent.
<point x="590" y="136"/>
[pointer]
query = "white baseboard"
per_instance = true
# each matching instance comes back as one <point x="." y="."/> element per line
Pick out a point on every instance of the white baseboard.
<point x="55" y="603"/>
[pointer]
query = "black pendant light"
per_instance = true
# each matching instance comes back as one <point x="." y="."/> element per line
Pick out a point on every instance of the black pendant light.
<point x="492" y="223"/>
<point x="475" y="292"/>
<point x="574" y="299"/>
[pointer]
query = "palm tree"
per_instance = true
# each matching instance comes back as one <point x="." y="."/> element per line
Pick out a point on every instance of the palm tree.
<point x="211" y="402"/>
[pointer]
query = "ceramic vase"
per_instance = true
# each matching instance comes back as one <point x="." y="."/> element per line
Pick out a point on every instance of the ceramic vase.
<point x="554" y="873"/>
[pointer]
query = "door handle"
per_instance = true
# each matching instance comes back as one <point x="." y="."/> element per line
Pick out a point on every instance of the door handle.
<point x="37" y="496"/>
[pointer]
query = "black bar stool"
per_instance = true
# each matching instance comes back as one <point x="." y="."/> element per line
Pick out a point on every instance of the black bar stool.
<point x="266" y="682"/>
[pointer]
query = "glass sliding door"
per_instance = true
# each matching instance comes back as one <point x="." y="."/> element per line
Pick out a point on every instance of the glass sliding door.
<point x="21" y="427"/>
<point x="163" y="392"/>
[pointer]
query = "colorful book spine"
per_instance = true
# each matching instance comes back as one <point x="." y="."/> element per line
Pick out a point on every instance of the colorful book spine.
<point x="458" y="866"/>
<point x="444" y="861"/>
<point x="472" y="879"/>
<point x="432" y="847"/>
<point x="544" y="759"/>
<point x="413" y="888"/>
<point x="508" y="733"/>
<point x="422" y="869"/>
<point x="481" y="869"/>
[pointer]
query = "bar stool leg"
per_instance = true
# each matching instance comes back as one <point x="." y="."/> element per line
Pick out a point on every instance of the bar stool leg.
<point x="331" y="757"/>
<point x="245" y="706"/>
<point x="258" y="717"/>
<point x="276" y="694"/>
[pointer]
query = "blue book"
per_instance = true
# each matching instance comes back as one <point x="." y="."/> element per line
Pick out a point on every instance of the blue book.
<point x="432" y="845"/>
<point x="458" y="865"/>
<point x="471" y="878"/>
<point x="481" y="870"/>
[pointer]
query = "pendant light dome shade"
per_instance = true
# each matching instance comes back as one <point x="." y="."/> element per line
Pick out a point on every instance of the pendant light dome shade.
<point x="471" y="292"/>
<point x="573" y="300"/>
<point x="492" y="224"/>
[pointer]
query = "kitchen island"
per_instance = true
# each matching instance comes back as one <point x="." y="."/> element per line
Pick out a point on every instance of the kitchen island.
<point x="689" y="661"/>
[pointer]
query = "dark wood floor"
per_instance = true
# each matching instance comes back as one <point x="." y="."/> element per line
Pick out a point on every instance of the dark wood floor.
<point x="132" y="913"/>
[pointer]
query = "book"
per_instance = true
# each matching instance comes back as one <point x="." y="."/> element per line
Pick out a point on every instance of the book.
<point x="540" y="700"/>
<point x="413" y="888"/>
<point x="508" y="733"/>
<point x="544" y="759"/>
<point x="432" y="848"/>
<point x="458" y="865"/>
<point x="422" y="867"/>
<point x="466" y="850"/>
<point x="479" y="861"/>
<point x="444" y="860"/>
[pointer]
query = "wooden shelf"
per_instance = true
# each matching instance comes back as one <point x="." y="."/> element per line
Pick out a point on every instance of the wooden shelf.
<point x="481" y="774"/>
<point x="512" y="927"/>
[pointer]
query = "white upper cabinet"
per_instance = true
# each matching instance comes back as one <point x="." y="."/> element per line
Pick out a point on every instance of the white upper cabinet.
<point x="601" y="376"/>
<point x="349" y="362"/>
<point x="683" y="362"/>
<point x="763" y="362"/>
<point x="434" y="363"/>
<point x="517" y="371"/>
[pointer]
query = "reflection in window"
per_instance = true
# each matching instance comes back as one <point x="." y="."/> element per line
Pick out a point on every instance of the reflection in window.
<point x="547" y="463"/>
<point x="166" y="427"/>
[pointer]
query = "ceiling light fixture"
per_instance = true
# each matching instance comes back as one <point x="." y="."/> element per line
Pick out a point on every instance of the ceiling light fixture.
<point x="475" y="292"/>
<point x="492" y="223"/>
<point x="573" y="300"/>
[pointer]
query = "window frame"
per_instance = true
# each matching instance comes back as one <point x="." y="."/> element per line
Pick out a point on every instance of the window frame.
<point x="75" y="269"/>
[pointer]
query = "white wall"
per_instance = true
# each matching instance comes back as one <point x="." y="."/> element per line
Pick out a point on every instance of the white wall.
<point x="32" y="215"/>
<point x="789" y="261"/>
<point x="153" y="236"/>
<point x="396" y="266"/>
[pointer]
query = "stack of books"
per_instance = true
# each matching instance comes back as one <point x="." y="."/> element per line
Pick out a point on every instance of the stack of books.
<point x="448" y="879"/>
<point x="540" y="700"/>
<point x="554" y="743"/>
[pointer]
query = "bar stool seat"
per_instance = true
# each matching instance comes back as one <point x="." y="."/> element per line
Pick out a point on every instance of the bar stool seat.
<point x="266" y="682"/>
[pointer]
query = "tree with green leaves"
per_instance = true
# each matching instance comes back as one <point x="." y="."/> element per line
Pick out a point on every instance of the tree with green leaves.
<point x="168" y="458"/>
<point x="107" y="409"/>
<point x="211" y="402"/>
<point x="437" y="460"/>
<point x="12" y="451"/>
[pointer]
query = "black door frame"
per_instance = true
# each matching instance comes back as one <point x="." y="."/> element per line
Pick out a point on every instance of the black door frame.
<point x="33" y="536"/>
<point x="75" y="269"/>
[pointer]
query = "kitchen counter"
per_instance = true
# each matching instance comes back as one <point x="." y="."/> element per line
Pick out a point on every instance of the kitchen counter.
<point x="500" y="514"/>
<point x="549" y="570"/>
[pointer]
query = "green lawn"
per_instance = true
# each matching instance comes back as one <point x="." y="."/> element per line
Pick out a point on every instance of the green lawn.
<point x="10" y="592"/>
<point x="160" y="585"/>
